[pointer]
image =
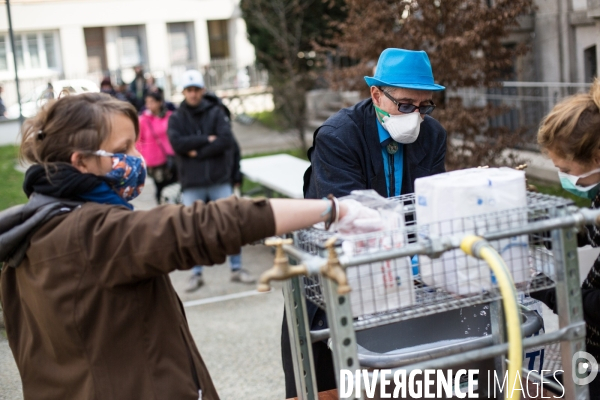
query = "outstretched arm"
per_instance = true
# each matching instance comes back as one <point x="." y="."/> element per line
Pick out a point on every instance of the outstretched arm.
<point x="291" y="215"/>
<point x="175" y="237"/>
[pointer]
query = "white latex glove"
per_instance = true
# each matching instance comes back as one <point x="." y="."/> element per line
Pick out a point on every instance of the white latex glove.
<point x="359" y="219"/>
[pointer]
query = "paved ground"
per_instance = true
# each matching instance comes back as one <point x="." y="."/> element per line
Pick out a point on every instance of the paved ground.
<point x="238" y="338"/>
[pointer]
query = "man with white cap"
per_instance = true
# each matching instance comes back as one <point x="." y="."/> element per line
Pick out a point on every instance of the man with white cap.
<point x="200" y="134"/>
<point x="382" y="143"/>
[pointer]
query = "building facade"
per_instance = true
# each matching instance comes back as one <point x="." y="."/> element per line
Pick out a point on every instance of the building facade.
<point x="565" y="41"/>
<point x="73" y="39"/>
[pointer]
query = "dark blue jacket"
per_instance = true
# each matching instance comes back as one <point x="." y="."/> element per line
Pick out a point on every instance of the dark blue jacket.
<point x="346" y="154"/>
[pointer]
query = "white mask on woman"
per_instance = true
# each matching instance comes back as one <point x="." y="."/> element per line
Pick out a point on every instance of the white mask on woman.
<point x="403" y="128"/>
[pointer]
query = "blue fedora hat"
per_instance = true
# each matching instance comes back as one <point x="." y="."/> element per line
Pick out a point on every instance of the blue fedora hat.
<point x="404" y="69"/>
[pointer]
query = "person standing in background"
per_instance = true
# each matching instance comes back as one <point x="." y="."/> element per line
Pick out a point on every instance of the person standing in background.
<point x="107" y="87"/>
<point x="138" y="88"/>
<point x="48" y="92"/>
<point x="154" y="143"/>
<point x="151" y="85"/>
<point x="122" y="92"/>
<point x="200" y="133"/>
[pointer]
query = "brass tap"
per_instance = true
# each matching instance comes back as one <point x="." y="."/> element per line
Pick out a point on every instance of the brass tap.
<point x="281" y="269"/>
<point x="333" y="270"/>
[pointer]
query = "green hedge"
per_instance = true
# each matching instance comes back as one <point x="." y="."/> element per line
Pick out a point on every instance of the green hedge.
<point x="11" y="180"/>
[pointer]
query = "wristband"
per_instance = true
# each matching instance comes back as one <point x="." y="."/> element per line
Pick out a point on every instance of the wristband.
<point x="335" y="212"/>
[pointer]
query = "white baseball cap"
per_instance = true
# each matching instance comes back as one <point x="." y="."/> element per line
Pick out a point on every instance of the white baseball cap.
<point x="193" y="77"/>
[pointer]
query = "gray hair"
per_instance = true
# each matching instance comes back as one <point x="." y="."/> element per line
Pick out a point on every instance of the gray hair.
<point x="389" y="89"/>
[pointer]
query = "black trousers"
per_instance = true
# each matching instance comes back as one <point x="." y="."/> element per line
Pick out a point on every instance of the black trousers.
<point x="159" y="187"/>
<point x="322" y="356"/>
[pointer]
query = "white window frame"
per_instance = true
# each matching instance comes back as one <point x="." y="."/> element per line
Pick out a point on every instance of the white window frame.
<point x="42" y="56"/>
<point x="7" y="52"/>
<point x="141" y="44"/>
<point x="189" y="32"/>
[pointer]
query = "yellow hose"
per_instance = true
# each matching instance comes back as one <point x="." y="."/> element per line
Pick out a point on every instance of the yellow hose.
<point x="509" y="301"/>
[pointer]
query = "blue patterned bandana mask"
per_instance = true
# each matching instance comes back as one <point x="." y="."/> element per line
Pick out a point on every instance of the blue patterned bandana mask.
<point x="127" y="175"/>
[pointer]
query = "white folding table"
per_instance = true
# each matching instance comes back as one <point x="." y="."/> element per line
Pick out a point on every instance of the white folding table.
<point x="279" y="173"/>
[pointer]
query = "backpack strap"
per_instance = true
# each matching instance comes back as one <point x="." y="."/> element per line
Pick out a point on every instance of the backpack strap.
<point x="18" y="224"/>
<point x="308" y="172"/>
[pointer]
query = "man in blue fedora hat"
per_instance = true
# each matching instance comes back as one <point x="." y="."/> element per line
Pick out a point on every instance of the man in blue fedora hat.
<point x="382" y="143"/>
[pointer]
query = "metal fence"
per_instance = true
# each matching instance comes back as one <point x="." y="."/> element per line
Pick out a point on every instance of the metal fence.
<point x="221" y="74"/>
<point x="593" y="4"/>
<point x="526" y="102"/>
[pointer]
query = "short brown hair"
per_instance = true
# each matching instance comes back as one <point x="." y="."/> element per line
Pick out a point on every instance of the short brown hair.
<point x="572" y="129"/>
<point x="69" y="124"/>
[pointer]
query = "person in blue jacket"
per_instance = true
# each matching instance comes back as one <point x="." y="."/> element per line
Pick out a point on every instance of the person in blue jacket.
<point x="382" y="143"/>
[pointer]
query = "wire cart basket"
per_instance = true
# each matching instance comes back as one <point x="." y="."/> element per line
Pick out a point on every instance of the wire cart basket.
<point x="410" y="284"/>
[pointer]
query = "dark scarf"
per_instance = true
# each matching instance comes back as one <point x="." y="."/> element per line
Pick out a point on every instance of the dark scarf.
<point x="64" y="181"/>
<point x="592" y="231"/>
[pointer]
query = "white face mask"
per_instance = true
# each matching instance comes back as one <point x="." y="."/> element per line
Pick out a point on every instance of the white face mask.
<point x="403" y="128"/>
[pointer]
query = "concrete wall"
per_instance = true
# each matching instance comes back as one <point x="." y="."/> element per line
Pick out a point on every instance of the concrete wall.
<point x="585" y="36"/>
<point x="244" y="53"/>
<point x="157" y="36"/>
<point x="563" y="29"/>
<point x="546" y="50"/>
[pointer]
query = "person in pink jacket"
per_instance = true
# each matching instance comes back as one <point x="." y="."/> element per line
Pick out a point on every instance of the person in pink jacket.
<point x="154" y="143"/>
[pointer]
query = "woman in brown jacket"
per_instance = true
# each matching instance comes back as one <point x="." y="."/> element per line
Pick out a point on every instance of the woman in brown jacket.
<point x="89" y="308"/>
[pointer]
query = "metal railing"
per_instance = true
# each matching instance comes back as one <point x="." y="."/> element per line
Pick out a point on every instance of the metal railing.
<point x="593" y="4"/>
<point x="526" y="102"/>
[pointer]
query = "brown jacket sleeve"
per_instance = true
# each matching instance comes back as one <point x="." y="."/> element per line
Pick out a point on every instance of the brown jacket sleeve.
<point x="131" y="246"/>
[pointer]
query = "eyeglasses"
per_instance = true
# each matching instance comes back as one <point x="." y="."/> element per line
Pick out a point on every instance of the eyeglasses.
<point x="408" y="108"/>
<point x="102" y="153"/>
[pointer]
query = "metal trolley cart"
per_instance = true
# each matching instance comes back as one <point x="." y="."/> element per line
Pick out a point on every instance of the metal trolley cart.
<point x="410" y="299"/>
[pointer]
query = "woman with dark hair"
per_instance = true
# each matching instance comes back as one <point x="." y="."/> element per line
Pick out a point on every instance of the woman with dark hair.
<point x="90" y="311"/>
<point x="154" y="143"/>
